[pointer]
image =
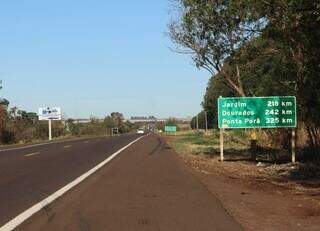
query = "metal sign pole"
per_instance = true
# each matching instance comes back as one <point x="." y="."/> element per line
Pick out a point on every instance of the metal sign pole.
<point x="221" y="145"/>
<point x="50" y="130"/>
<point x="293" y="145"/>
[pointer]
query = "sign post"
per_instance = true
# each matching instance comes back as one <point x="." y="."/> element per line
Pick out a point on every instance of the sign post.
<point x="293" y="145"/>
<point x="47" y="113"/>
<point x="221" y="145"/>
<point x="50" y="130"/>
<point x="258" y="112"/>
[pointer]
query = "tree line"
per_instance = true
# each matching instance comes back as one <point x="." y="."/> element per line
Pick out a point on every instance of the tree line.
<point x="255" y="48"/>
<point x="19" y="126"/>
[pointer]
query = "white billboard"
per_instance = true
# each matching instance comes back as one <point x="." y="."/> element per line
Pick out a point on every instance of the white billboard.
<point x="49" y="113"/>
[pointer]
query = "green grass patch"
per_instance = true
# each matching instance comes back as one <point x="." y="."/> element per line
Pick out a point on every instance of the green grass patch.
<point x="200" y="143"/>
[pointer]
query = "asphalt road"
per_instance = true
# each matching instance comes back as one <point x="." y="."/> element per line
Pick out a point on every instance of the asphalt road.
<point x="144" y="188"/>
<point x="30" y="174"/>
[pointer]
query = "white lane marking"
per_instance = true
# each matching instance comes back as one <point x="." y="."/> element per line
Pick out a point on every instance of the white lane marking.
<point x="32" y="154"/>
<point x="42" y="144"/>
<point x="67" y="146"/>
<point x="18" y="220"/>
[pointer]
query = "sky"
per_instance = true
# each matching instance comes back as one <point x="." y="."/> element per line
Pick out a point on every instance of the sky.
<point x="93" y="57"/>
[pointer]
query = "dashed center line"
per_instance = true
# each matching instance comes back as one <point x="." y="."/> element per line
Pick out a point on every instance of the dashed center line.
<point x="67" y="146"/>
<point x="88" y="141"/>
<point x="32" y="154"/>
<point x="22" y="217"/>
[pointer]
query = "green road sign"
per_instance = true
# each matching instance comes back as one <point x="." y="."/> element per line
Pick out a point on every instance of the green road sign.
<point x="169" y="128"/>
<point x="257" y="112"/>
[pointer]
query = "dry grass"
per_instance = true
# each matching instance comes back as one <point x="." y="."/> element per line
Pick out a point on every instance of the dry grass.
<point x="201" y="150"/>
<point x="208" y="144"/>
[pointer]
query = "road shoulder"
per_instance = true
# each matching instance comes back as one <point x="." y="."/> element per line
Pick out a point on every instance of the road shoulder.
<point x="254" y="201"/>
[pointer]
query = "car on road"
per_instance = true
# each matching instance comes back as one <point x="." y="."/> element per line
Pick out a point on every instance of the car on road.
<point x="140" y="131"/>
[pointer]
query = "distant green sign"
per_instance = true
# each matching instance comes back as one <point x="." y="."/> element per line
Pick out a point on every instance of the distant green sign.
<point x="257" y="112"/>
<point x="170" y="128"/>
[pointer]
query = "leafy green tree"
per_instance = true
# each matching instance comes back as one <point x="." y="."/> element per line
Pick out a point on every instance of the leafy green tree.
<point x="171" y="121"/>
<point x="295" y="25"/>
<point x="73" y="128"/>
<point x="3" y="116"/>
<point x="215" y="89"/>
<point x="256" y="48"/>
<point x="109" y="123"/>
<point x="212" y="31"/>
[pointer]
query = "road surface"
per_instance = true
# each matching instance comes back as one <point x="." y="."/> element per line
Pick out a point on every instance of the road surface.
<point x="143" y="188"/>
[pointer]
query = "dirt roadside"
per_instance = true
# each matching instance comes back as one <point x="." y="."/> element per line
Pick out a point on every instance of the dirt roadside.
<point x="255" y="200"/>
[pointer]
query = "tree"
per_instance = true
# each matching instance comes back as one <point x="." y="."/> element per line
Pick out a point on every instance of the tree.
<point x="212" y="31"/>
<point x="3" y="115"/>
<point x="4" y="102"/>
<point x="109" y="122"/>
<point x="266" y="70"/>
<point x="171" y="121"/>
<point x="257" y="48"/>
<point x="72" y="127"/>
<point x="296" y="25"/>
<point x="215" y="89"/>
<point x="117" y="116"/>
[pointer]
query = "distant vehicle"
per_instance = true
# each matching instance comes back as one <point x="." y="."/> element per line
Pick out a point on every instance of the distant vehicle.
<point x="140" y="131"/>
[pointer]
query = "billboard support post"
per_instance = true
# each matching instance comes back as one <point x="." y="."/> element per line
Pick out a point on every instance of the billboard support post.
<point x="50" y="114"/>
<point x="50" y="129"/>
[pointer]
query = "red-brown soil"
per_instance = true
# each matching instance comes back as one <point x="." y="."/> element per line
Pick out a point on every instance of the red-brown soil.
<point x="256" y="199"/>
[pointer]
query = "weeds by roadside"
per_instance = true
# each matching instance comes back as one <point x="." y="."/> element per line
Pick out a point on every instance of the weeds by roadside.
<point x="201" y="143"/>
<point x="271" y="164"/>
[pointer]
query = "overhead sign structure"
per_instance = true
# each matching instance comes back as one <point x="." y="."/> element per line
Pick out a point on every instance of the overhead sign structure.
<point x="257" y="112"/>
<point x="49" y="113"/>
<point x="170" y="128"/>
